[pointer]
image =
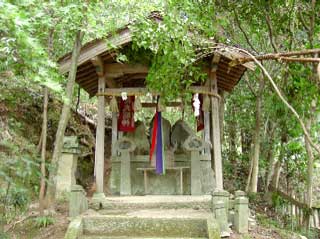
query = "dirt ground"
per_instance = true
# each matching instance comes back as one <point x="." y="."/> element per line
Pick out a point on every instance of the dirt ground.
<point x="28" y="229"/>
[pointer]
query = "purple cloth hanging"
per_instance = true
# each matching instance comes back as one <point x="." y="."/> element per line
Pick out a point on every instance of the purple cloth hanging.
<point x="159" y="147"/>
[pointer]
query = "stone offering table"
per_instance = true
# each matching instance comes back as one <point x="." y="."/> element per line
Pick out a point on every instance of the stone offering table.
<point x="178" y="169"/>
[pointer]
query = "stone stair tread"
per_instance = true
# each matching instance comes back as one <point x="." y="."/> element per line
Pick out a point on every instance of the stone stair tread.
<point x="152" y="201"/>
<point x="146" y="225"/>
<point x="156" y="213"/>
<point x="158" y="199"/>
<point x="127" y="237"/>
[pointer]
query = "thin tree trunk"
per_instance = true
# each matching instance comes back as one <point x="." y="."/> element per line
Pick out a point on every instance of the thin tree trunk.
<point x="270" y="155"/>
<point x="249" y="175"/>
<point x="256" y="140"/>
<point x="232" y="137"/>
<point x="277" y="167"/>
<point x="310" y="161"/>
<point x="43" y="151"/>
<point x="43" y="140"/>
<point x="276" y="173"/>
<point x="40" y="142"/>
<point x="64" y="118"/>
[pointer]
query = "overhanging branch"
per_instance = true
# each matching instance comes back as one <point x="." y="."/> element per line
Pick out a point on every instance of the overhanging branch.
<point x="284" y="56"/>
<point x="305" y="131"/>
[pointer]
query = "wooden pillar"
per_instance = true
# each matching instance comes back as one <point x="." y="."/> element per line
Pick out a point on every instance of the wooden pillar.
<point x="215" y="124"/>
<point x="207" y="131"/>
<point x="99" y="152"/>
<point x="114" y="136"/>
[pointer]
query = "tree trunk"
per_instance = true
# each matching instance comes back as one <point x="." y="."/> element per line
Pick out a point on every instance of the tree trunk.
<point x="65" y="114"/>
<point x="43" y="139"/>
<point x="276" y="173"/>
<point x="310" y="161"/>
<point x="43" y="151"/>
<point x="270" y="154"/>
<point x="256" y="140"/>
<point x="232" y="137"/>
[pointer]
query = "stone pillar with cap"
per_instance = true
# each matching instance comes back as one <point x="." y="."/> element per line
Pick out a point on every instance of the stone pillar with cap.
<point x="195" y="146"/>
<point x="221" y="195"/>
<point x="78" y="202"/>
<point x="241" y="216"/>
<point x="67" y="166"/>
<point x="125" y="146"/>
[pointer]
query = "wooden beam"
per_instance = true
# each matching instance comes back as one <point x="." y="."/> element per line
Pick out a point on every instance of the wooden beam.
<point x="94" y="49"/>
<point x="132" y="77"/>
<point x="116" y="70"/>
<point x="111" y="83"/>
<point x="102" y="71"/>
<point x="153" y="105"/>
<point x="98" y="63"/>
<point x="143" y="91"/>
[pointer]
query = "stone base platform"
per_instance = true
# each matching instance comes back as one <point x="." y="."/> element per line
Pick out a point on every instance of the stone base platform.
<point x="184" y="217"/>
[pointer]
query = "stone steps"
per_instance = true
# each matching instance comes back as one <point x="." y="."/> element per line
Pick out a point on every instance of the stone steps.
<point x="152" y="202"/>
<point x="121" y="237"/>
<point x="149" y="217"/>
<point x="145" y="226"/>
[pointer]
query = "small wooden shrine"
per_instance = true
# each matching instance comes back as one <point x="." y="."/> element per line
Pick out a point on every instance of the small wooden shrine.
<point x="194" y="165"/>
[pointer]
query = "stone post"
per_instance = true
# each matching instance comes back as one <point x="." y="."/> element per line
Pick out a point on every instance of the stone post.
<point x="125" y="146"/>
<point x="241" y="215"/>
<point x="231" y="211"/>
<point x="221" y="217"/>
<point x="78" y="202"/>
<point x="239" y="193"/>
<point x="195" y="173"/>
<point x="195" y="146"/>
<point x="221" y="195"/>
<point x="67" y="166"/>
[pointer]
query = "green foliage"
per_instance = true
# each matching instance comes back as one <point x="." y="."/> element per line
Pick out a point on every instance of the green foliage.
<point x="4" y="235"/>
<point x="19" y="176"/>
<point x="175" y="44"/>
<point x="44" y="221"/>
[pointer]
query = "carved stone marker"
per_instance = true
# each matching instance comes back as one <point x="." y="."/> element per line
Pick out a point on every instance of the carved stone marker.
<point x="125" y="146"/>
<point x="67" y="166"/>
<point x="195" y="145"/>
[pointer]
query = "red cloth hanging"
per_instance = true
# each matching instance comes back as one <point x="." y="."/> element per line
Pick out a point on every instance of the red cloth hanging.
<point x="126" y="115"/>
<point x="154" y="135"/>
